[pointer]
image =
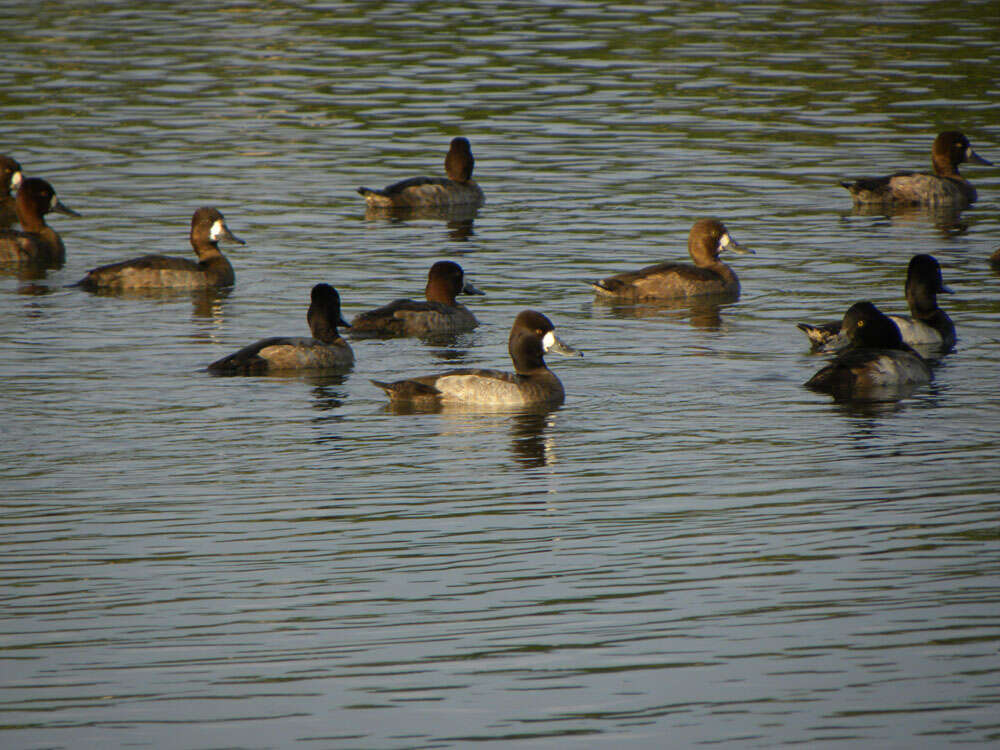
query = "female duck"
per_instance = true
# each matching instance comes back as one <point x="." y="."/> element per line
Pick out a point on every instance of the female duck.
<point x="531" y="383"/>
<point x="708" y="275"/>
<point x="927" y="324"/>
<point x="877" y="365"/>
<point x="38" y="243"/>
<point x="10" y="179"/>
<point x="457" y="189"/>
<point x="326" y="350"/>
<point x="946" y="187"/>
<point x="208" y="228"/>
<point x="440" y="314"/>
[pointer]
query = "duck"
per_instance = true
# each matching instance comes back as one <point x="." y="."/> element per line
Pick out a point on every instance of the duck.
<point x="439" y="314"/>
<point x="458" y="189"/>
<point x="326" y="350"/>
<point x="708" y="276"/>
<point x="946" y="187"/>
<point x="37" y="243"/>
<point x="926" y="325"/>
<point x="531" y="384"/>
<point x="10" y="179"/>
<point x="208" y="228"/>
<point x="876" y="366"/>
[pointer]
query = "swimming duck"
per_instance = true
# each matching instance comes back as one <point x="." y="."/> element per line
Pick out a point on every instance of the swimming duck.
<point x="439" y="314"/>
<point x="208" y="228"/>
<point x="927" y="324"/>
<point x="531" y="383"/>
<point x="946" y="187"/>
<point x="709" y="275"/>
<point x="876" y="366"/>
<point x="10" y="179"/>
<point x="457" y="189"/>
<point x="326" y="350"/>
<point x="37" y="243"/>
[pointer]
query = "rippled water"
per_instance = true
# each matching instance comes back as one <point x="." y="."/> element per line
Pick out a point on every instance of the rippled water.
<point x="692" y="550"/>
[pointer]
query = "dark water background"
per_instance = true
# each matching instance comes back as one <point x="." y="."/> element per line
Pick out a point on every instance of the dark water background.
<point x="693" y="550"/>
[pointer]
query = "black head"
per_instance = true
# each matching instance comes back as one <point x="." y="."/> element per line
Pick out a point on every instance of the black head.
<point x="445" y="281"/>
<point x="952" y="148"/>
<point x="708" y="238"/>
<point x="324" y="313"/>
<point x="924" y="269"/>
<point x="531" y="336"/>
<point x="867" y="327"/>
<point x="39" y="198"/>
<point x="208" y="227"/>
<point x="10" y="173"/>
<point x="458" y="163"/>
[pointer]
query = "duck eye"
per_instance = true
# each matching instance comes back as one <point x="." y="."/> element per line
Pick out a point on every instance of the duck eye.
<point x="861" y="324"/>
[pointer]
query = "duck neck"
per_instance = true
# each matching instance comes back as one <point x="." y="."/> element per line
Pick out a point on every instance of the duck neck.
<point x="527" y="355"/>
<point x="30" y="219"/>
<point x="435" y="292"/>
<point x="943" y="167"/>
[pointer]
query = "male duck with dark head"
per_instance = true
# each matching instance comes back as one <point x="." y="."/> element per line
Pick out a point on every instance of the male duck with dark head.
<point x="439" y="314"/>
<point x="531" y="384"/>
<point x="877" y="364"/>
<point x="37" y="243"/>
<point x="945" y="188"/>
<point x="326" y="350"/>
<point x="708" y="276"/>
<point x="208" y="228"/>
<point x="457" y="189"/>
<point x="10" y="179"/>
<point x="927" y="325"/>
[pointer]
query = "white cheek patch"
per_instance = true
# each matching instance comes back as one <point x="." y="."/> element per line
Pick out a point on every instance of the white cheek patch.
<point x="724" y="241"/>
<point x="15" y="180"/>
<point x="217" y="228"/>
<point x="548" y="340"/>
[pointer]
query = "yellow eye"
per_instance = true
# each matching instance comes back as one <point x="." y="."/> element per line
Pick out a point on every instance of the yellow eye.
<point x="861" y="323"/>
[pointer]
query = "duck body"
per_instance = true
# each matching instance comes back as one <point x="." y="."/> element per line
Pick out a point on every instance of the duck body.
<point x="532" y="383"/>
<point x="670" y="280"/>
<point x="282" y="353"/>
<point x="926" y="326"/>
<point x="213" y="269"/>
<point x="38" y="244"/>
<point x="455" y="190"/>
<point x="877" y="366"/>
<point x="326" y="350"/>
<point x="160" y="271"/>
<point x="440" y="313"/>
<point x="476" y="386"/>
<point x="946" y="187"/>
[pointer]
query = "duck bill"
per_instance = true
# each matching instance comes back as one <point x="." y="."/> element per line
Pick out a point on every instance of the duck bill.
<point x="228" y="236"/>
<point x="946" y="289"/>
<point x="739" y="249"/>
<point x="343" y="323"/>
<point x="61" y="208"/>
<point x="973" y="158"/>
<point x="552" y="343"/>
<point x="467" y="288"/>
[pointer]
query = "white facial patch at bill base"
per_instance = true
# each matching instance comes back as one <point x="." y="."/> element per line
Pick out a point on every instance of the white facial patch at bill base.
<point x="724" y="240"/>
<point x="548" y="340"/>
<point x="15" y="180"/>
<point x="53" y="202"/>
<point x="217" y="230"/>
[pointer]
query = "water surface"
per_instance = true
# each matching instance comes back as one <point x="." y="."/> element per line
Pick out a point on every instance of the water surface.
<point x="692" y="550"/>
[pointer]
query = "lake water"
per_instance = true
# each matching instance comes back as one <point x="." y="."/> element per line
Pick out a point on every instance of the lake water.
<point x="693" y="550"/>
